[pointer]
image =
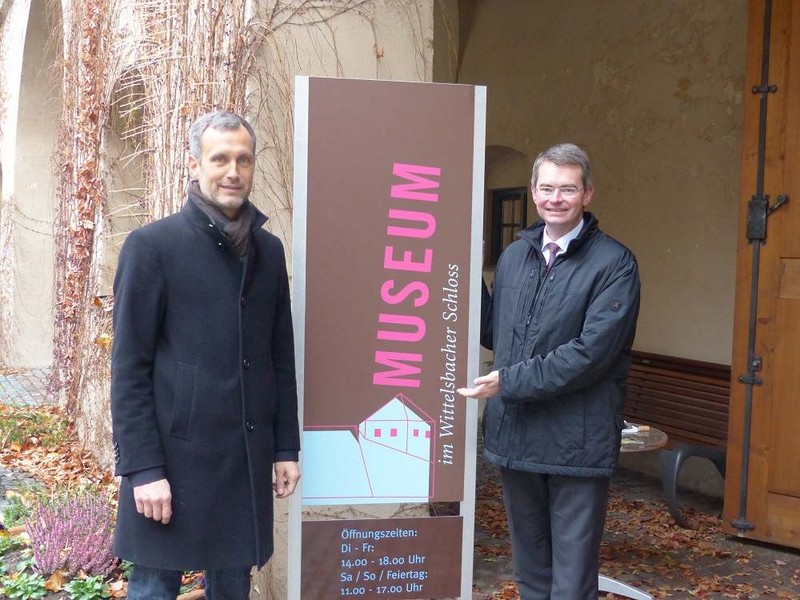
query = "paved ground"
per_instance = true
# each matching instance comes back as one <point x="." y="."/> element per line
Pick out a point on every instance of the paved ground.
<point x="641" y="546"/>
<point x="21" y="387"/>
<point x="25" y="386"/>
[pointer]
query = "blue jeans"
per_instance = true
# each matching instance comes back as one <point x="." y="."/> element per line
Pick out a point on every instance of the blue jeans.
<point x="147" y="583"/>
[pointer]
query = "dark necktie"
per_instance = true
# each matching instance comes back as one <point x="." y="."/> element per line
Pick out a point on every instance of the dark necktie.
<point x="554" y="248"/>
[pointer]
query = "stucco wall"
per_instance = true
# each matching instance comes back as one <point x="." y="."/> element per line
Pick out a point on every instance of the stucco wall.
<point x="383" y="39"/>
<point x="653" y="90"/>
<point x="446" y="35"/>
<point x="12" y="40"/>
<point x="28" y="206"/>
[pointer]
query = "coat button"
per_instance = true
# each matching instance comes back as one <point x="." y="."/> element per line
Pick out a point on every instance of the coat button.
<point x="244" y="301"/>
<point x="249" y="425"/>
<point x="220" y="246"/>
<point x="246" y="363"/>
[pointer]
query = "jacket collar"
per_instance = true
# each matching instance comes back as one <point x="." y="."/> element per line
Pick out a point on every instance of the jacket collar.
<point x="533" y="234"/>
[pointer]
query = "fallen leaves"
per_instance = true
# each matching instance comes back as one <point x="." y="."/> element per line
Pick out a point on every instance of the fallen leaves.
<point x="61" y="464"/>
<point x="643" y="547"/>
<point x="118" y="588"/>
<point x="56" y="581"/>
<point x="507" y="591"/>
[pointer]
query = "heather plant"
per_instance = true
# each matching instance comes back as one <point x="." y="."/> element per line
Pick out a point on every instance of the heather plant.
<point x="23" y="586"/>
<point x="88" y="588"/>
<point x="72" y="534"/>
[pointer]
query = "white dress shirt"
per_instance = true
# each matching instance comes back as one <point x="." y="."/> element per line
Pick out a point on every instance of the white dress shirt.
<point x="562" y="242"/>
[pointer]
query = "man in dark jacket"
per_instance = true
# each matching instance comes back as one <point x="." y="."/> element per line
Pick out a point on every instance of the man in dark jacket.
<point x="561" y="324"/>
<point x="203" y="393"/>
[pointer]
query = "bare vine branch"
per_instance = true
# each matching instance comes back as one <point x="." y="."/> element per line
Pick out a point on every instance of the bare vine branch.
<point x="135" y="76"/>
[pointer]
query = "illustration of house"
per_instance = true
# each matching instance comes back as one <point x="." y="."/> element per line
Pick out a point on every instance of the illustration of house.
<point x="387" y="458"/>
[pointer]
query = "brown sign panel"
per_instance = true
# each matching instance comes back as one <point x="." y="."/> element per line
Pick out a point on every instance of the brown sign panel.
<point x="382" y="558"/>
<point x="387" y="279"/>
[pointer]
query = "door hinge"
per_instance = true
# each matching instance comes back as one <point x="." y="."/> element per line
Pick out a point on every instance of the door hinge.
<point x="758" y="209"/>
<point x="751" y="378"/>
<point x="764" y="89"/>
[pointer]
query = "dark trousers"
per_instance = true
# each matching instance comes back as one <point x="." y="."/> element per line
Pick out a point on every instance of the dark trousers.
<point x="556" y="524"/>
<point x="147" y="583"/>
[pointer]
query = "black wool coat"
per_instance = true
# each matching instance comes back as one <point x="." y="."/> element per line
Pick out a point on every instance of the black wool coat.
<point x="203" y="387"/>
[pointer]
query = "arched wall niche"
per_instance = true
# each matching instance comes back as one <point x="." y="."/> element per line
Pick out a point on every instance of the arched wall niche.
<point x="124" y="153"/>
<point x="34" y="189"/>
<point x="506" y="167"/>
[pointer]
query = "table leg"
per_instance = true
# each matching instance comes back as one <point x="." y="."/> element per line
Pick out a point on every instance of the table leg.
<point x="671" y="462"/>
<point x="607" y="584"/>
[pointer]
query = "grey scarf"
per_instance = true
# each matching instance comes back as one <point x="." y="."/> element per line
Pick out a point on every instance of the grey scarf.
<point x="236" y="230"/>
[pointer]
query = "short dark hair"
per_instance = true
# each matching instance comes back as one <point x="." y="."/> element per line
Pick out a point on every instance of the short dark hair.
<point x="564" y="154"/>
<point x="218" y="119"/>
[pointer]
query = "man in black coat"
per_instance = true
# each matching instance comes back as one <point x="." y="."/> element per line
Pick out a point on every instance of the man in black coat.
<point x="561" y="323"/>
<point x="203" y="392"/>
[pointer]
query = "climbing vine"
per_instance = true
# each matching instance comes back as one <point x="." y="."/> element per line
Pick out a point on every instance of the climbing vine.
<point x="81" y="188"/>
<point x="135" y="76"/>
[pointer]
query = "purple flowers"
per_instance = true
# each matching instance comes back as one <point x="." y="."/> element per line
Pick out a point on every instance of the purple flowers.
<point x="72" y="534"/>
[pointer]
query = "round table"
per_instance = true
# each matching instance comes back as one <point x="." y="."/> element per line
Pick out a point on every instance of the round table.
<point x="643" y="440"/>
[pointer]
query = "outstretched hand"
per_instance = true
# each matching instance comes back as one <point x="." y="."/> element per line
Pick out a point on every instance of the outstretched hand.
<point x="486" y="386"/>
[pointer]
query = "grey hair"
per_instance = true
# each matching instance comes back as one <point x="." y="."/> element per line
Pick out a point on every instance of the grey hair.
<point x="217" y="119"/>
<point x="564" y="154"/>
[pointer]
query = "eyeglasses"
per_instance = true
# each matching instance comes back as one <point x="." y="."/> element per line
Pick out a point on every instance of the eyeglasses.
<point x="567" y="192"/>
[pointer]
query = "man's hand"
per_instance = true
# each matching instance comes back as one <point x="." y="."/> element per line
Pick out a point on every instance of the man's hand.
<point x="287" y="474"/>
<point x="154" y="500"/>
<point x="486" y="386"/>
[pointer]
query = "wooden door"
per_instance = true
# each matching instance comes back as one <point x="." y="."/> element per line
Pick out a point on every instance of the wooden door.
<point x="772" y="509"/>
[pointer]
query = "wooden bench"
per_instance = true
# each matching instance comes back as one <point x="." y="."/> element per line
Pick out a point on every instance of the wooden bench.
<point x="688" y="400"/>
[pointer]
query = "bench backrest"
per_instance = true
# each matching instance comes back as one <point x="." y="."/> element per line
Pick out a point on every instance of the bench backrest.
<point x="687" y="399"/>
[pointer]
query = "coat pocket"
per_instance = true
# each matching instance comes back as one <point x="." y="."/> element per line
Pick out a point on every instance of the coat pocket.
<point x="184" y="401"/>
<point x="496" y="425"/>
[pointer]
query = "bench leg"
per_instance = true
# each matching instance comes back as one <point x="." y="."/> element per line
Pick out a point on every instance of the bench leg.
<point x="671" y="463"/>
